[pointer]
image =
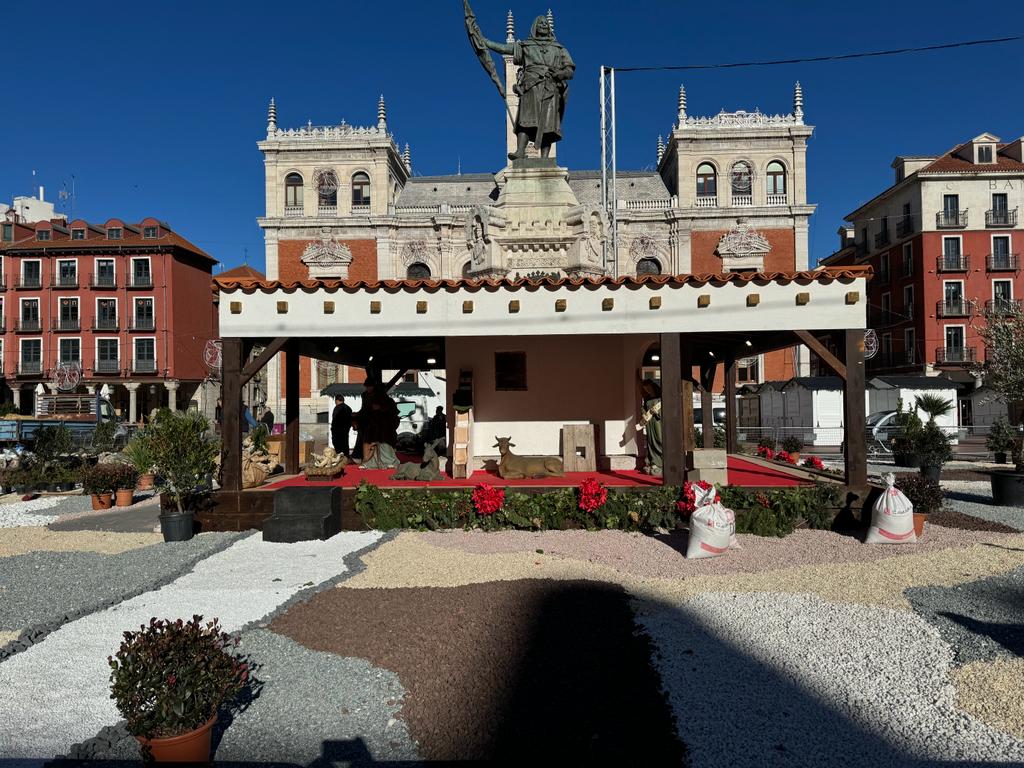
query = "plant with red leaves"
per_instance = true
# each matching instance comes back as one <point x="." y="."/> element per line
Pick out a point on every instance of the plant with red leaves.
<point x="813" y="462"/>
<point x="487" y="499"/>
<point x="764" y="452"/>
<point x="593" y="495"/>
<point x="785" y="457"/>
<point x="688" y="503"/>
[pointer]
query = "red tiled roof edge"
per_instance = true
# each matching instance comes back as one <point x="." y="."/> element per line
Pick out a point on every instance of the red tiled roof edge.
<point x="823" y="275"/>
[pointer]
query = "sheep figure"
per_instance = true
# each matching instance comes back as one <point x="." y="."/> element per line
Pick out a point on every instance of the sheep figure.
<point x="427" y="471"/>
<point x="513" y="467"/>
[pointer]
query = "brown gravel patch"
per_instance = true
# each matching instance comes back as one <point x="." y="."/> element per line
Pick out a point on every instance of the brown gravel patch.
<point x="662" y="557"/>
<point x="20" y="541"/>
<point x="991" y="691"/>
<point x="950" y="518"/>
<point x="527" y="671"/>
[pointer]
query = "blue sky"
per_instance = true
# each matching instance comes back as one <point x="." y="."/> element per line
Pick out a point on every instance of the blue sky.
<point x="156" y="108"/>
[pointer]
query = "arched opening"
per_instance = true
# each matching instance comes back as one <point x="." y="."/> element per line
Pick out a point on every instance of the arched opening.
<point x="293" y="192"/>
<point x="707" y="181"/>
<point x="327" y="191"/>
<point x="467" y="269"/>
<point x="360" y="191"/>
<point x="741" y="180"/>
<point x="648" y="266"/>
<point x="776" y="181"/>
<point x="417" y="271"/>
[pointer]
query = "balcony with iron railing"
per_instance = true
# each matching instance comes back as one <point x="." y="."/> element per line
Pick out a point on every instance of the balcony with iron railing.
<point x="882" y="239"/>
<point x="144" y="366"/>
<point x="293" y="212"/>
<point x="103" y="281"/>
<point x="904" y="226"/>
<point x="953" y="262"/>
<point x="953" y="308"/>
<point x="104" y="323"/>
<point x="107" y="366"/>
<point x="142" y="324"/>
<point x="782" y="199"/>
<point x="706" y="201"/>
<point x="1000" y="218"/>
<point x="64" y="281"/>
<point x="28" y="325"/>
<point x="1002" y="262"/>
<point x="27" y="283"/>
<point x="951" y="219"/>
<point x="65" y="324"/>
<point x="955" y="355"/>
<point x="3" y="282"/>
<point x="1003" y="306"/>
<point x="29" y="368"/>
<point x="140" y="281"/>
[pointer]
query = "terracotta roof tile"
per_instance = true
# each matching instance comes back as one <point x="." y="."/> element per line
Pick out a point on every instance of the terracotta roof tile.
<point x="822" y="275"/>
<point x="130" y="240"/>
<point x="244" y="272"/>
<point x="951" y="163"/>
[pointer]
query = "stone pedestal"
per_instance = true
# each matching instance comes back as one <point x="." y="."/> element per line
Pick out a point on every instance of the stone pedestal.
<point x="710" y="464"/>
<point x="304" y="514"/>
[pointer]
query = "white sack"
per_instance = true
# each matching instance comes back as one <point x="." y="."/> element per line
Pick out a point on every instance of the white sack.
<point x="892" y="519"/>
<point x="712" y="526"/>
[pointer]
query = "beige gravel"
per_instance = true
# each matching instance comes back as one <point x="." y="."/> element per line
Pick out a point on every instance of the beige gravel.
<point x="410" y="560"/>
<point x="991" y="691"/>
<point x="19" y="541"/>
<point x="6" y="637"/>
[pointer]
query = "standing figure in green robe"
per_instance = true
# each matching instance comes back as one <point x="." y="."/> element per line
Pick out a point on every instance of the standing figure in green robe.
<point x="650" y="423"/>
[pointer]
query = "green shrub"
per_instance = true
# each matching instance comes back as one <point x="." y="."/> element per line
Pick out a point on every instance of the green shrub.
<point x="103" y="436"/>
<point x="1001" y="436"/>
<point x="908" y="428"/>
<point x="183" y="453"/>
<point x="99" y="478"/>
<point x="719" y="437"/>
<point x="778" y="512"/>
<point x="6" y="409"/>
<point x="51" y="442"/>
<point x="792" y="444"/>
<point x="924" y="493"/>
<point x="139" y="452"/>
<point x="769" y="442"/>
<point x="933" y="445"/>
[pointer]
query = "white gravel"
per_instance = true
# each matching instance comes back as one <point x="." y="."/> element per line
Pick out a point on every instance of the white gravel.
<point x="21" y="513"/>
<point x="57" y="693"/>
<point x="792" y="680"/>
<point x="974" y="497"/>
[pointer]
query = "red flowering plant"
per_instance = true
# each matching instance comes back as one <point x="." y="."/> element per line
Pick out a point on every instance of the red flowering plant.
<point x="813" y="462"/>
<point x="487" y="499"/>
<point x="764" y="452"/>
<point x="785" y="457"/>
<point x="593" y="495"/>
<point x="686" y="505"/>
<point x="171" y="677"/>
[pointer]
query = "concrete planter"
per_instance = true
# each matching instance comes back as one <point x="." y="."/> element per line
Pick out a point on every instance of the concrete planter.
<point x="1008" y="488"/>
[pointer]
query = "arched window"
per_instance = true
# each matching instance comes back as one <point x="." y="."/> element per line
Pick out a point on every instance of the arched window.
<point x="293" y="191"/>
<point x="741" y="179"/>
<point x="776" y="177"/>
<point x="467" y="269"/>
<point x="327" y="189"/>
<point x="707" y="180"/>
<point x="418" y="271"/>
<point x="360" y="191"/>
<point x="648" y="266"/>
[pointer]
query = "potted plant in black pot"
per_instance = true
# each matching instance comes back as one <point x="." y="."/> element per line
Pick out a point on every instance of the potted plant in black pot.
<point x="903" y="442"/>
<point x="933" y="450"/>
<point x="184" y="456"/>
<point x="1001" y="439"/>
<point x="169" y="680"/>
<point x="1003" y="368"/>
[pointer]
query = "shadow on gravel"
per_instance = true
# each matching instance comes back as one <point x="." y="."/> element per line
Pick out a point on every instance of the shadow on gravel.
<point x="1010" y="636"/>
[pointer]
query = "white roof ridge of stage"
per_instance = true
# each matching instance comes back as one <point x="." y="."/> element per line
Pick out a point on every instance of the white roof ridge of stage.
<point x="824" y="299"/>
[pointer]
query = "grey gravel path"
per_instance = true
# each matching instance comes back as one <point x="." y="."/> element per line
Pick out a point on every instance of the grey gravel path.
<point x="43" y="587"/>
<point x="141" y="518"/>
<point x="975" y="498"/>
<point x="792" y="680"/>
<point x="980" y="620"/>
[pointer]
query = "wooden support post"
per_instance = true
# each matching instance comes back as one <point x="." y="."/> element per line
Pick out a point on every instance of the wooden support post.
<point x="854" y="417"/>
<point x="291" y="411"/>
<point x="707" y="417"/>
<point x="732" y="443"/>
<point x="673" y="434"/>
<point x="257" y="364"/>
<point x="686" y="364"/>
<point x="231" y="426"/>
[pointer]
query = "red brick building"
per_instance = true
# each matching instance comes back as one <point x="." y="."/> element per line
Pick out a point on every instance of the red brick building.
<point x="127" y="303"/>
<point x="944" y="241"/>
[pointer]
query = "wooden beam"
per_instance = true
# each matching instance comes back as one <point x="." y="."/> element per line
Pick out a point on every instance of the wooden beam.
<point x="264" y="357"/>
<point x="291" y="410"/>
<point x="395" y="379"/>
<point x="821" y="351"/>
<point x="231" y="426"/>
<point x="686" y="363"/>
<point x="854" y="416"/>
<point x="707" y="418"/>
<point x="673" y="469"/>
<point x="732" y="443"/>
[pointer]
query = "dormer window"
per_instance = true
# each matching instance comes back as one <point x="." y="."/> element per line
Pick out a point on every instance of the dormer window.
<point x="78" y="234"/>
<point x="149" y="233"/>
<point x="43" y="234"/>
<point x="115" y="233"/>
<point x="985" y="153"/>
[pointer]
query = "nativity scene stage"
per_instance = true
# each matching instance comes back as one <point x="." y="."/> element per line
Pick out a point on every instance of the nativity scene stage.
<point x="555" y="370"/>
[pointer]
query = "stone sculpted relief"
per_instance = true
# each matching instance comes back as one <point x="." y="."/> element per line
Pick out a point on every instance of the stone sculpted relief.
<point x="743" y="247"/>
<point x="418" y="251"/>
<point x="327" y="257"/>
<point x="644" y="246"/>
<point x="592" y="247"/>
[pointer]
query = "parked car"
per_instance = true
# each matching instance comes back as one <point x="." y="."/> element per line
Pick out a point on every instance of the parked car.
<point x="881" y="427"/>
<point x="717" y="414"/>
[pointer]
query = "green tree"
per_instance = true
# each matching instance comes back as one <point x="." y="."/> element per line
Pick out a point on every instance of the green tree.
<point x="183" y="453"/>
<point x="1003" y="333"/>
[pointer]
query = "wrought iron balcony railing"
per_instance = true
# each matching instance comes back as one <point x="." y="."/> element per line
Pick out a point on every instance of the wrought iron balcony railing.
<point x="103" y="281"/>
<point x="951" y="219"/>
<point x="999" y="218"/>
<point x="28" y="325"/>
<point x="882" y="238"/>
<point x="29" y="368"/>
<point x="142" y="324"/>
<point x="1002" y="262"/>
<point x="953" y="308"/>
<point x="144" y="366"/>
<point x="66" y="324"/>
<point x="1003" y="306"/>
<point x="953" y="262"/>
<point x="27" y="283"/>
<point x="904" y="226"/>
<point x="955" y="355"/>
<point x="101" y="323"/>
<point x="64" y="281"/>
<point x="107" y="366"/>
<point x="141" y="281"/>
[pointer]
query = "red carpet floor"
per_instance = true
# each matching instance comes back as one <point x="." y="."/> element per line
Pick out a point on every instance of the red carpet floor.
<point x="741" y="472"/>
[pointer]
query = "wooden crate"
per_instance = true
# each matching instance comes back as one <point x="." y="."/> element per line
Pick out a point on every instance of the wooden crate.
<point x="578" y="449"/>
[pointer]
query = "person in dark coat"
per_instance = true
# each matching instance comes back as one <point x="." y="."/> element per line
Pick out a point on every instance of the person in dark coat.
<point x="341" y="423"/>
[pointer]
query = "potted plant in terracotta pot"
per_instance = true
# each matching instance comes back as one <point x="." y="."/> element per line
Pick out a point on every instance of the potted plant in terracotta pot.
<point x="125" y="479"/>
<point x="924" y="493"/>
<point x="185" y="457"/>
<point x="792" y="445"/>
<point x="140" y="454"/>
<point x="1003" y="369"/>
<point x="98" y="482"/>
<point x="169" y="680"/>
<point x="1001" y="439"/>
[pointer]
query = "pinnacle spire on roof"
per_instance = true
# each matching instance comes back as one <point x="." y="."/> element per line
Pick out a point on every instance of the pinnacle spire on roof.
<point x="551" y="22"/>
<point x="510" y="28"/>
<point x="382" y="113"/>
<point x="271" y="116"/>
<point x="682" y="105"/>
<point x="798" y="102"/>
<point x="661" y="148"/>
<point x="407" y="157"/>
